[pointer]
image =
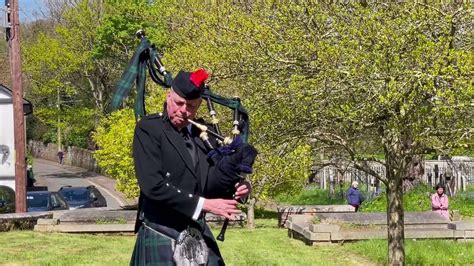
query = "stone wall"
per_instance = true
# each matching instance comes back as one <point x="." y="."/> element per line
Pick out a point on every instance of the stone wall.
<point x="72" y="155"/>
<point x="21" y="221"/>
<point x="284" y="212"/>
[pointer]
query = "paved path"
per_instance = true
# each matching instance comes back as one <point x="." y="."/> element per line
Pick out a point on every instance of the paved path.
<point x="54" y="176"/>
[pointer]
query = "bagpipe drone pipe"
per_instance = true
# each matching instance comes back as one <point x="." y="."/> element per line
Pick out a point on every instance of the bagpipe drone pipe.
<point x="232" y="158"/>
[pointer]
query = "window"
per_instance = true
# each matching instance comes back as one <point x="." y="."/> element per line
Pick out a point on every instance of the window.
<point x="76" y="195"/>
<point x="62" y="203"/>
<point x="7" y="194"/>
<point x="37" y="200"/>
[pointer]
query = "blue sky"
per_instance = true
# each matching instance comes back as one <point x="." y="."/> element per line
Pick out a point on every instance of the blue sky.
<point x="28" y="8"/>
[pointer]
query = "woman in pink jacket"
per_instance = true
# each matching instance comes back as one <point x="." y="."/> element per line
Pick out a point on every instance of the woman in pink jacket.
<point x="439" y="202"/>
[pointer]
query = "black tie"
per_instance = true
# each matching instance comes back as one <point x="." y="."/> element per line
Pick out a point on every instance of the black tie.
<point x="190" y="146"/>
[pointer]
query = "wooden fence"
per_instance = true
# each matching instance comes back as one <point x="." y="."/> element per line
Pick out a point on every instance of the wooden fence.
<point x="455" y="174"/>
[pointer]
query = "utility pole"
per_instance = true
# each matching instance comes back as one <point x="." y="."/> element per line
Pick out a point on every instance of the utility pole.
<point x="58" y="105"/>
<point x="18" y="114"/>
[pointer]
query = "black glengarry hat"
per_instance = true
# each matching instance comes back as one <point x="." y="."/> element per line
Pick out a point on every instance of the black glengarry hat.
<point x="190" y="85"/>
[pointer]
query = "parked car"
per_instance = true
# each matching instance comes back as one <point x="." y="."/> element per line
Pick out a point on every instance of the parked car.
<point x="7" y="199"/>
<point x="83" y="197"/>
<point x="45" y="201"/>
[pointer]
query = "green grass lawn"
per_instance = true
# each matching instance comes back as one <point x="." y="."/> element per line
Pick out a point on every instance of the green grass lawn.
<point x="312" y="195"/>
<point x="35" y="248"/>
<point x="266" y="245"/>
<point x="419" y="199"/>
<point x="420" y="252"/>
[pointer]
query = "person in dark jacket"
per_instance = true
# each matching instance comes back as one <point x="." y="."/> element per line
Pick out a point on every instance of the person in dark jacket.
<point x="354" y="197"/>
<point x="172" y="167"/>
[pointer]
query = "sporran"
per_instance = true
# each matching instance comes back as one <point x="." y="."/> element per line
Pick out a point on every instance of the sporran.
<point x="190" y="248"/>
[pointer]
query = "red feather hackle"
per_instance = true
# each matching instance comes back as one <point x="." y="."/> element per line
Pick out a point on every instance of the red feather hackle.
<point x="198" y="77"/>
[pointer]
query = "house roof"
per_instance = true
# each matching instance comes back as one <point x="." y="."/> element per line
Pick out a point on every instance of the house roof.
<point x="6" y="98"/>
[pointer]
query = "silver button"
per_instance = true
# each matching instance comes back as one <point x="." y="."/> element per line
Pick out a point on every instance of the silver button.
<point x="190" y="195"/>
<point x="167" y="174"/>
<point x="179" y="191"/>
<point x="167" y="184"/>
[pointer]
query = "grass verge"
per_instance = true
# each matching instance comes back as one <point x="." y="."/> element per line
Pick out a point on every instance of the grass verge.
<point x="419" y="252"/>
<point x="312" y="195"/>
<point x="266" y="245"/>
<point x="419" y="199"/>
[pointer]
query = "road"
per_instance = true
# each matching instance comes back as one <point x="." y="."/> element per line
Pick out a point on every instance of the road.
<point x="54" y="176"/>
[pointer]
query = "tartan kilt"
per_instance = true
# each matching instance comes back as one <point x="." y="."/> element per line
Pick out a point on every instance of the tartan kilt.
<point x="152" y="248"/>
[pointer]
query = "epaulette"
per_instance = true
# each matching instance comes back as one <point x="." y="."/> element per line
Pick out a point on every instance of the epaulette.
<point x="154" y="116"/>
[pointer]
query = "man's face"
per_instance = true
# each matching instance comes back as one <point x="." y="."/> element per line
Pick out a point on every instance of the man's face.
<point x="180" y="109"/>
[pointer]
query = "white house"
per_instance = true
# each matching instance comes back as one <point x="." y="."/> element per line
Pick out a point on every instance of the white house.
<point x="7" y="138"/>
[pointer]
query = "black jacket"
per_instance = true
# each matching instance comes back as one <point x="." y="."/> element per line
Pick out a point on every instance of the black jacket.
<point x="170" y="185"/>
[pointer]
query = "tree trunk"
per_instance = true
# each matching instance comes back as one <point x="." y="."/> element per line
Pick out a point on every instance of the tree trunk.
<point x="251" y="214"/>
<point x="396" y="236"/>
<point x="332" y="183"/>
<point x="414" y="173"/>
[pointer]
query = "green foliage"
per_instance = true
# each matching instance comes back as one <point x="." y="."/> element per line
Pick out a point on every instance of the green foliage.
<point x="311" y="196"/>
<point x="74" y="63"/>
<point x="352" y="80"/>
<point x="280" y="171"/>
<point x="464" y="203"/>
<point x="465" y="206"/>
<point x="111" y="221"/>
<point x="49" y="64"/>
<point x="359" y="80"/>
<point x="114" y="137"/>
<point x="77" y="124"/>
<point x="316" y="220"/>
<point x="469" y="189"/>
<point x="419" y="199"/>
<point x="116" y="32"/>
<point x="29" y="159"/>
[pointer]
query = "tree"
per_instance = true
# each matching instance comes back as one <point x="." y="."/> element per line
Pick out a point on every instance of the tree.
<point x="352" y="79"/>
<point x="74" y="67"/>
<point x="114" y="137"/>
<point x="358" y="79"/>
<point x="5" y="76"/>
<point x="394" y="77"/>
<point x="219" y="42"/>
<point x="50" y="66"/>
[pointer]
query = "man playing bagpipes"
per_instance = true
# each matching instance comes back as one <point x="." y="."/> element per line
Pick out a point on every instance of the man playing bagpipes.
<point x="180" y="180"/>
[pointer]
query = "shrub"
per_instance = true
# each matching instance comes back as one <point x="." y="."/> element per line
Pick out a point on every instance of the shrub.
<point x="114" y="136"/>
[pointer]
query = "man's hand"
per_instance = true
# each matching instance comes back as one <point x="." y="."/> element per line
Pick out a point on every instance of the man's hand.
<point x="243" y="189"/>
<point x="221" y="207"/>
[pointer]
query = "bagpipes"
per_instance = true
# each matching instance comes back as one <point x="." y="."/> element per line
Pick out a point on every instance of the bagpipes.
<point x="232" y="158"/>
<point x="232" y="161"/>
